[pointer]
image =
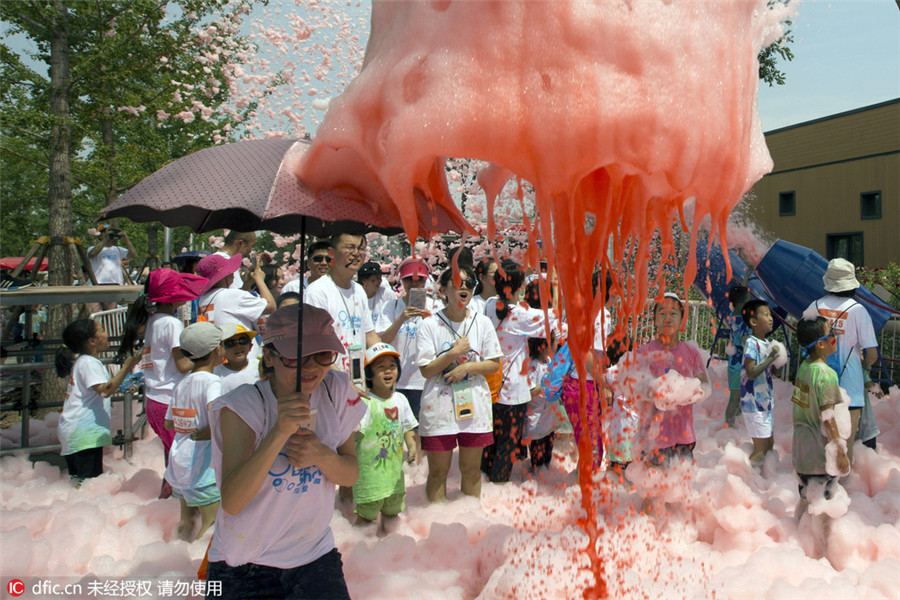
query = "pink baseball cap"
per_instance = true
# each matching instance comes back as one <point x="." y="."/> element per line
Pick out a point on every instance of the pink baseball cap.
<point x="413" y="266"/>
<point x="168" y="285"/>
<point x="318" y="331"/>
<point x="216" y="267"/>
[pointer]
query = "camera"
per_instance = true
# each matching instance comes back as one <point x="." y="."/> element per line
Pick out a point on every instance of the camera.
<point x="113" y="234"/>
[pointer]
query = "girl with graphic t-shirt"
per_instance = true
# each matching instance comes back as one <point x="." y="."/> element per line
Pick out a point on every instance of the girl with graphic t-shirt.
<point x="84" y="423"/>
<point x="456" y="348"/>
<point x="162" y="361"/>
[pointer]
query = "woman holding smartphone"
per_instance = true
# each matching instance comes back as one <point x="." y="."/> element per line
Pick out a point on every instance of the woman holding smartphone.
<point x="399" y="324"/>
<point x="278" y="454"/>
<point x="456" y="348"/>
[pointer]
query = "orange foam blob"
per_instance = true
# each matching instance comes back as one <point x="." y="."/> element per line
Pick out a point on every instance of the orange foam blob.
<point x="620" y="111"/>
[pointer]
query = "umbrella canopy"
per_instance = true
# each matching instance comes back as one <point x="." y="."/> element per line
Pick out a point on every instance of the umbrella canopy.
<point x="250" y="186"/>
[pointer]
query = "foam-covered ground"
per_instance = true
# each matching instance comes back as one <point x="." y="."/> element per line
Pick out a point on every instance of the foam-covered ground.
<point x="719" y="530"/>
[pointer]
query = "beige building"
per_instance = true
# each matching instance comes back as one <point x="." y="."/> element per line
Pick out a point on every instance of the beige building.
<point x="835" y="186"/>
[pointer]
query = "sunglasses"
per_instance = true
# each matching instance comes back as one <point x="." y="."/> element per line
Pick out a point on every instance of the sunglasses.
<point x="326" y="358"/>
<point x="467" y="283"/>
<point x="319" y="259"/>
<point x="243" y="341"/>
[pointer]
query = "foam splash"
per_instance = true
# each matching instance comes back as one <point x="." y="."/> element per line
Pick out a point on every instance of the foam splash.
<point x="623" y="112"/>
<point x="782" y="357"/>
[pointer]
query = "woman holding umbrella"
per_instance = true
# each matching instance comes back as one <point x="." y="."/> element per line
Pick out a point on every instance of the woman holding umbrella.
<point x="278" y="454"/>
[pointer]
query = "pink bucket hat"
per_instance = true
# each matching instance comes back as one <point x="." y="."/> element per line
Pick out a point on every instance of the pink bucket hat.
<point x="168" y="285"/>
<point x="318" y="331"/>
<point x="413" y="266"/>
<point x="216" y="267"/>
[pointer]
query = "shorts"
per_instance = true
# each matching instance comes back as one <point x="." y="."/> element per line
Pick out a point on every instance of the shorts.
<point x="390" y="507"/>
<point x="759" y="424"/>
<point x="446" y="443"/>
<point x="415" y="400"/>
<point x="197" y="497"/>
<point x="734" y="379"/>
<point x="827" y="480"/>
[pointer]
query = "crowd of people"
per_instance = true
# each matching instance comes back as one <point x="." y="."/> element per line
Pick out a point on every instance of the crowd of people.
<point x="260" y="428"/>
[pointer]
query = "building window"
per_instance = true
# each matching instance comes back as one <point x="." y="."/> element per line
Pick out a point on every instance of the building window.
<point x="845" y="245"/>
<point x="870" y="205"/>
<point x="787" y="204"/>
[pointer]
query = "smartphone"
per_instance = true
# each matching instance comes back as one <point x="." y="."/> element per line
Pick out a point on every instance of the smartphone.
<point x="357" y="368"/>
<point x="417" y="298"/>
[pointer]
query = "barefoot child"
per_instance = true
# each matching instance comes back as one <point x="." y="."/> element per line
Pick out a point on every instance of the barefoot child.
<point x="756" y="378"/>
<point x="190" y="471"/>
<point x="388" y="423"/>
<point x="820" y="415"/>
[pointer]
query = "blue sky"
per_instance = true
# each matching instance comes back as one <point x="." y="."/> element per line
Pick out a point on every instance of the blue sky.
<point x="846" y="55"/>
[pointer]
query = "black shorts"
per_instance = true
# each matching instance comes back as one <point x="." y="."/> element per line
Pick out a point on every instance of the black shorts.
<point x="85" y="464"/>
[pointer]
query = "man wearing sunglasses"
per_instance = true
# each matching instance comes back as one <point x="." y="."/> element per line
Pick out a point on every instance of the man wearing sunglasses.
<point x="237" y="369"/>
<point x="318" y="263"/>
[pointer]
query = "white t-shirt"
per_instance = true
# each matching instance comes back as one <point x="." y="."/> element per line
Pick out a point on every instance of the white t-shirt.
<point x="513" y="332"/>
<point x="84" y="422"/>
<point x="477" y="304"/>
<point x="382" y="297"/>
<point x="226" y="306"/>
<point x="190" y="461"/>
<point x="348" y="307"/>
<point x="293" y="286"/>
<point x="160" y="372"/>
<point x="405" y="341"/>
<point x="541" y="417"/>
<point x="287" y="523"/>
<point x="603" y="327"/>
<point x="234" y="379"/>
<point x="437" y="415"/>
<point x="853" y="327"/>
<point x="107" y="265"/>
<point x="238" y="283"/>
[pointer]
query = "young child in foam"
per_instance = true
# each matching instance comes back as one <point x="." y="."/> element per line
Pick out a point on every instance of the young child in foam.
<point x="623" y="422"/>
<point x="515" y="324"/>
<point x="455" y="349"/>
<point x="237" y="368"/>
<point x="756" y="378"/>
<point x="571" y="392"/>
<point x="675" y="439"/>
<point x="163" y="363"/>
<point x="737" y="297"/>
<point x="821" y="420"/>
<point x="190" y="471"/>
<point x="387" y="424"/>
<point x="857" y="346"/>
<point x="542" y="414"/>
<point x="277" y="466"/>
<point x="84" y="423"/>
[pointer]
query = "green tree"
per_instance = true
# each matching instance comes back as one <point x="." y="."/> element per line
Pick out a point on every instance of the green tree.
<point x="100" y="120"/>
